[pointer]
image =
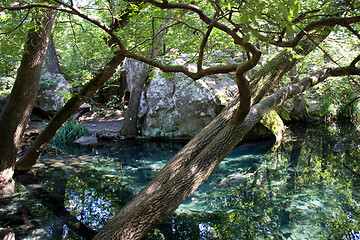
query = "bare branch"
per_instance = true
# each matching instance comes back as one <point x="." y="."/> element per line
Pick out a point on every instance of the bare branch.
<point x="202" y="47"/>
<point x="316" y="24"/>
<point x="353" y="30"/>
<point x="177" y="21"/>
<point x="183" y="69"/>
<point x="355" y="61"/>
<point x="74" y="36"/>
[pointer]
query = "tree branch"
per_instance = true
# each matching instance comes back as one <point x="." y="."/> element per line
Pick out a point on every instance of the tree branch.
<point x="355" y="61"/>
<point x="202" y="47"/>
<point x="20" y="24"/>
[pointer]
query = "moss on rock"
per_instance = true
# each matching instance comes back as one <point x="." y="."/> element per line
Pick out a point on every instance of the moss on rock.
<point x="270" y="127"/>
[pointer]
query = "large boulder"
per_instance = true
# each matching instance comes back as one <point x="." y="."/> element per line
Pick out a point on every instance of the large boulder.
<point x="174" y="106"/>
<point x="53" y="93"/>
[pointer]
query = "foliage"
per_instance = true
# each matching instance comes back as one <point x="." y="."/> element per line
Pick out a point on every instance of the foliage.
<point x="83" y="49"/>
<point x="69" y="132"/>
<point x="11" y="40"/>
<point x="72" y="37"/>
<point x="6" y="84"/>
<point x="337" y="100"/>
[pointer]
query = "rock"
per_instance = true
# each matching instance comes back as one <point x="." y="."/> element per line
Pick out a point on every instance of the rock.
<point x="310" y="112"/>
<point x="86" y="140"/>
<point x="84" y="108"/>
<point x="315" y="111"/>
<point x="52" y="94"/>
<point x="174" y="106"/>
<point x="106" y="135"/>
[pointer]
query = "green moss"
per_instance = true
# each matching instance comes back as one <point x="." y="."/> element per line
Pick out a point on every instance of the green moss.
<point x="317" y="114"/>
<point x="274" y="123"/>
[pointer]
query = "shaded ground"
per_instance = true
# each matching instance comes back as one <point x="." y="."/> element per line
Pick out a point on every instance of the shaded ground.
<point x="95" y="123"/>
<point x="110" y="121"/>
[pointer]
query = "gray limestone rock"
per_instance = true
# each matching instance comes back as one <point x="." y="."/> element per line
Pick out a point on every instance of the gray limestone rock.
<point x="86" y="140"/>
<point x="174" y="106"/>
<point x="52" y="94"/>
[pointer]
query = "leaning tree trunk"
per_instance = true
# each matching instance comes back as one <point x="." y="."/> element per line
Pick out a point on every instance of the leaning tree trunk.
<point x="181" y="177"/>
<point x="42" y="141"/>
<point x="192" y="165"/>
<point x="16" y="113"/>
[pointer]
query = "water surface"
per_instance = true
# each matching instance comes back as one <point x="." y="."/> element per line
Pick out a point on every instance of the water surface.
<point x="305" y="188"/>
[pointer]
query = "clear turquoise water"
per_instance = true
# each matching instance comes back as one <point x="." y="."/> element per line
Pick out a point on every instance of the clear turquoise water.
<point x="305" y="188"/>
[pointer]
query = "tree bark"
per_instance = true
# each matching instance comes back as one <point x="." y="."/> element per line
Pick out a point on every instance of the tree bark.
<point x="181" y="176"/>
<point x="42" y="141"/>
<point x="192" y="165"/>
<point x="129" y="125"/>
<point x="16" y="113"/>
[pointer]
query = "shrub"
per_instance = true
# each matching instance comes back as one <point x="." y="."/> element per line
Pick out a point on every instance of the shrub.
<point x="69" y="132"/>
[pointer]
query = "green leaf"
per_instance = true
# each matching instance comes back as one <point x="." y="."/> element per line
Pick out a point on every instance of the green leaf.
<point x="284" y="11"/>
<point x="289" y="31"/>
<point x="296" y="7"/>
<point x="255" y="33"/>
<point x="244" y="18"/>
<point x="246" y="38"/>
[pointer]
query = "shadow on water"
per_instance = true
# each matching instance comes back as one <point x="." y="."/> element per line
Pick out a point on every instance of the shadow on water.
<point x="307" y="188"/>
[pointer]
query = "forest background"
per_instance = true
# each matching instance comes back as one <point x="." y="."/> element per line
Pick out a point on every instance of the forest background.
<point x="266" y="39"/>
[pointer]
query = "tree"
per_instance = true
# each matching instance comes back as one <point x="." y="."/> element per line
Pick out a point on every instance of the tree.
<point x="16" y="113"/>
<point x="72" y="105"/>
<point x="279" y="23"/>
<point x="129" y="126"/>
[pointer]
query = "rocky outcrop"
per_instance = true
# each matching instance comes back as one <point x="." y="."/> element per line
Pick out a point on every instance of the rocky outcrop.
<point x="175" y="106"/>
<point x="52" y="95"/>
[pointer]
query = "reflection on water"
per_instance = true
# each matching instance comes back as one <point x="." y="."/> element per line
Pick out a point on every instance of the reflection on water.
<point x="306" y="188"/>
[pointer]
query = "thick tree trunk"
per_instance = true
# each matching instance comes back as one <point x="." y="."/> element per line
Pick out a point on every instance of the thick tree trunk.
<point x="181" y="177"/>
<point x="16" y="113"/>
<point x="269" y="75"/>
<point x="42" y="141"/>
<point x="192" y="165"/>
